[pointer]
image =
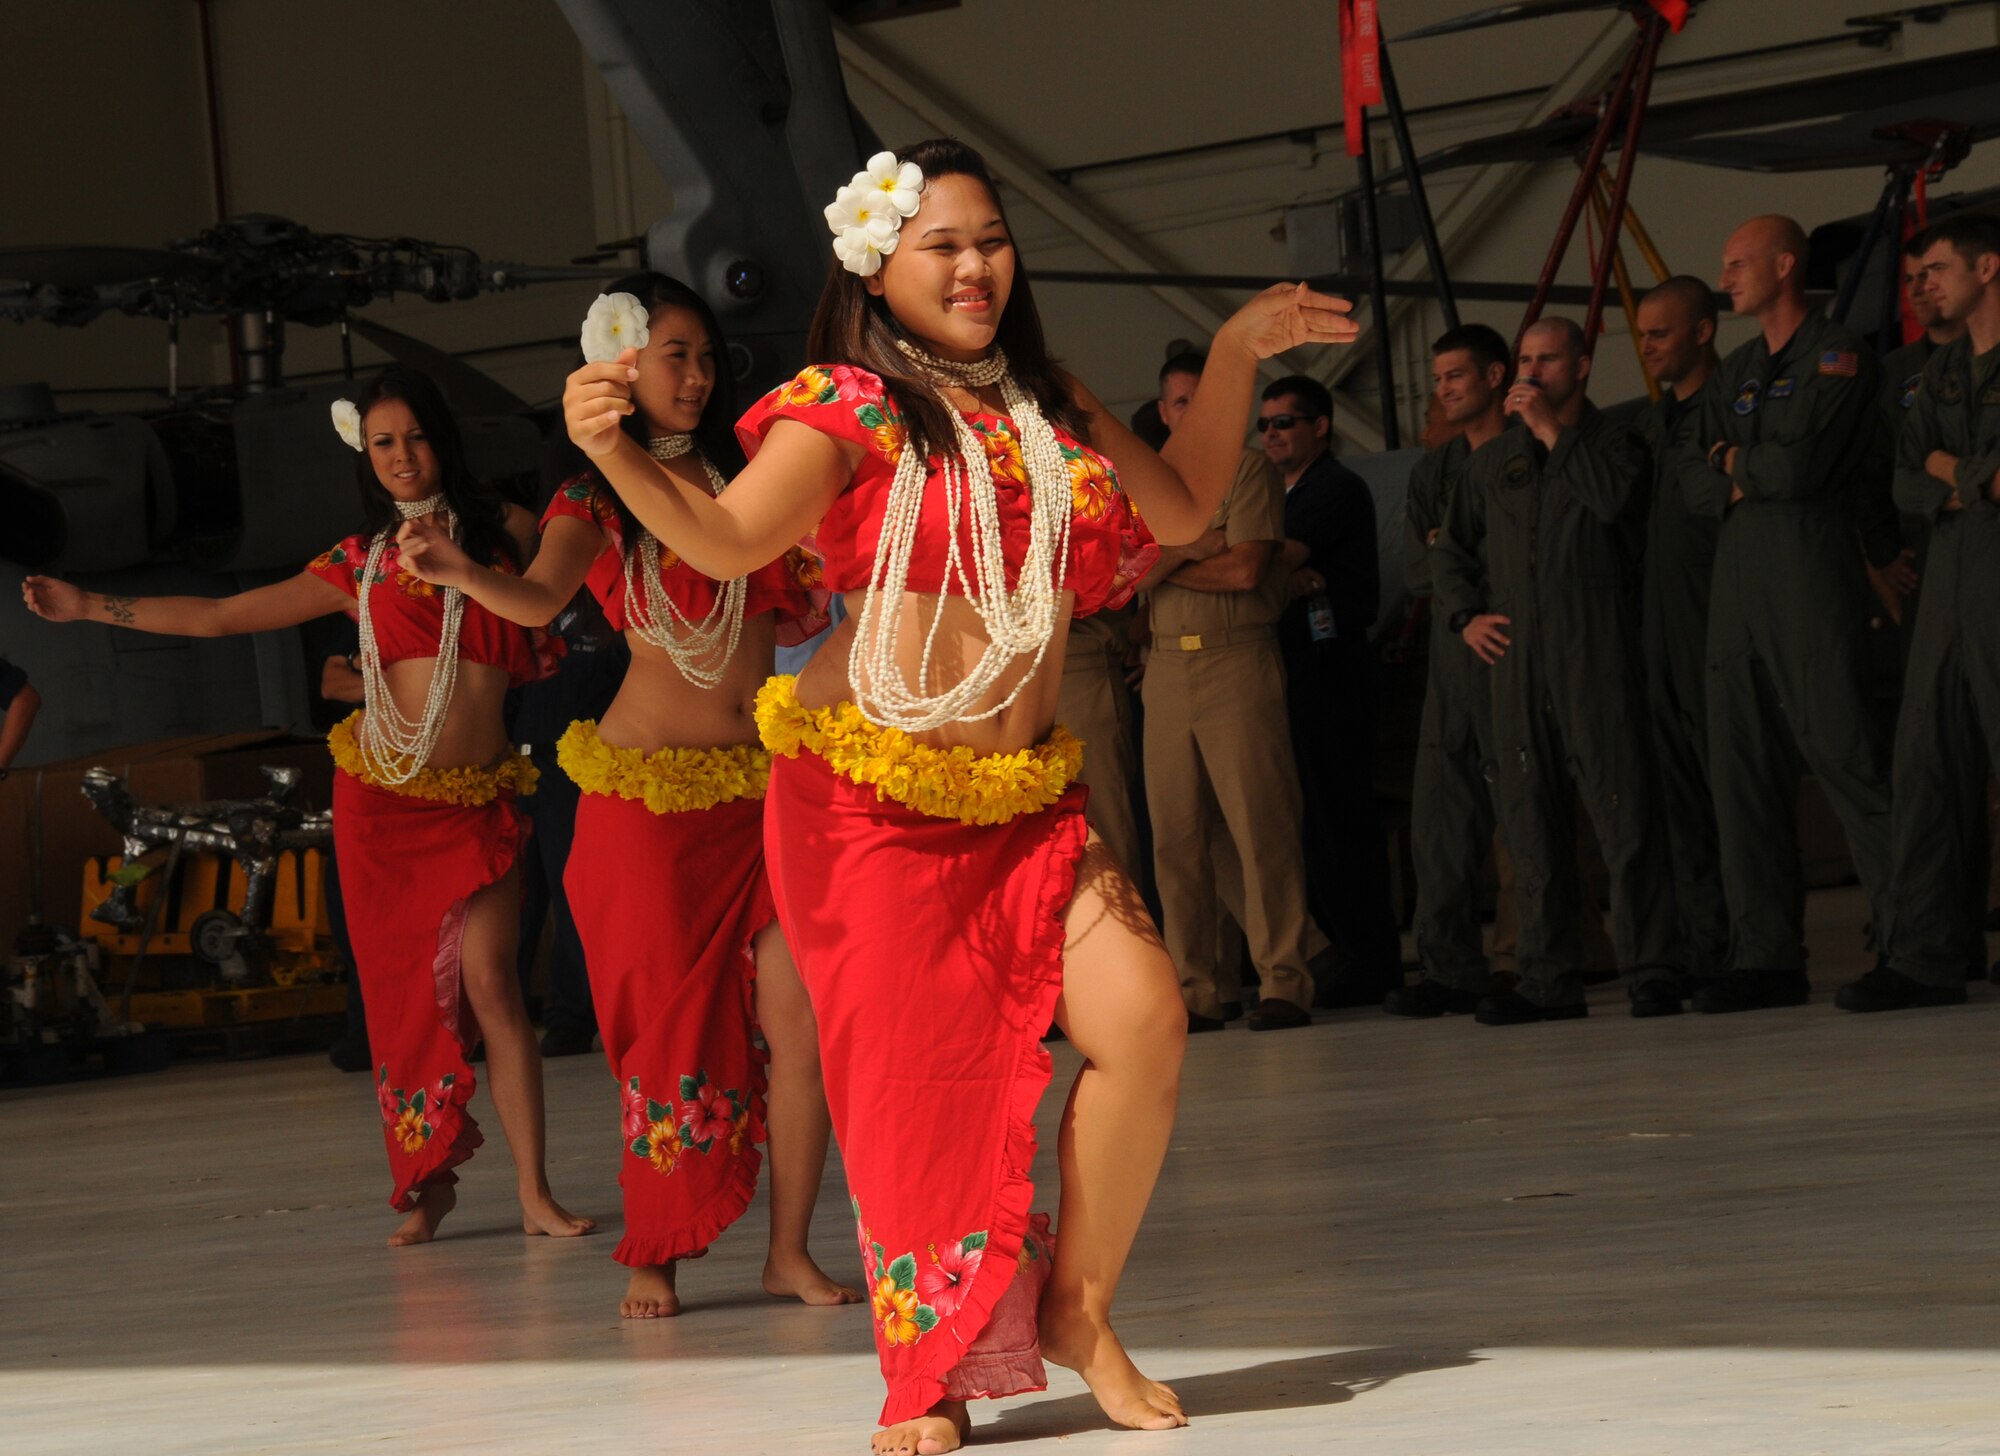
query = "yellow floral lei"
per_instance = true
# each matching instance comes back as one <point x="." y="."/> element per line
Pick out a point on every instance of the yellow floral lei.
<point x="468" y="786"/>
<point x="670" y="781"/>
<point x="945" y="783"/>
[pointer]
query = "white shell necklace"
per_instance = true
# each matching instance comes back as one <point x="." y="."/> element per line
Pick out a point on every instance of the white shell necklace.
<point x="394" y="747"/>
<point x="1019" y="622"/>
<point x="701" y="650"/>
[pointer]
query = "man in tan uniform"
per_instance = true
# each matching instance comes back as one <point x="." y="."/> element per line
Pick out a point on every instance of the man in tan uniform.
<point x="1217" y="735"/>
<point x="1095" y="703"/>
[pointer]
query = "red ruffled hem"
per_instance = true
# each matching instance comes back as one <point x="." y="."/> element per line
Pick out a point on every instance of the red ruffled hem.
<point x="1011" y="1373"/>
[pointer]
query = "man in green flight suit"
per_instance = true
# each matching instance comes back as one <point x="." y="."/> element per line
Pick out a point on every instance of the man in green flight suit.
<point x="1676" y="325"/>
<point x="1537" y="571"/>
<point x="1451" y="802"/>
<point x="1948" y="737"/>
<point x="1785" y="424"/>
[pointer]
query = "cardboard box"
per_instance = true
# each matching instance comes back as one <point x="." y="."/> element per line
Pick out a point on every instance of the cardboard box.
<point x="46" y="804"/>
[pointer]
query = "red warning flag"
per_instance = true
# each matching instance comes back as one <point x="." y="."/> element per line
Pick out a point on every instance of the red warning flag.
<point x="1361" y="65"/>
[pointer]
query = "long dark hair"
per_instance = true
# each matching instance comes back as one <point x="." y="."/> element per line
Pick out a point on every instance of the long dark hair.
<point x="482" y="514"/>
<point x="714" y="434"/>
<point x="853" y="326"/>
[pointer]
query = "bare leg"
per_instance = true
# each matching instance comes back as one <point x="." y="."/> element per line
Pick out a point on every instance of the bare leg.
<point x="1121" y="1008"/>
<point x="513" y="1061"/>
<point x="650" y="1293"/>
<point x="797" y="1125"/>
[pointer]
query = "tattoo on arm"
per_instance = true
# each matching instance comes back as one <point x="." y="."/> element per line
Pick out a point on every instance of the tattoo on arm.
<point x="119" y="609"/>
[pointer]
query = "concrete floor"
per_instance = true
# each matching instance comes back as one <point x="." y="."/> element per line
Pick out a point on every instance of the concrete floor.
<point x="1768" y="1233"/>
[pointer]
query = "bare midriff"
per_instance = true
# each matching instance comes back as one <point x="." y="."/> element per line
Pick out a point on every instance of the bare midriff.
<point x="657" y="707"/>
<point x="475" y="732"/>
<point x="961" y="637"/>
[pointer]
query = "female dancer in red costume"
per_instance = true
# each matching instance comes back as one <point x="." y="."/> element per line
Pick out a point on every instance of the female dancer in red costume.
<point x="929" y="857"/>
<point x="424" y="819"/>
<point x="666" y="877"/>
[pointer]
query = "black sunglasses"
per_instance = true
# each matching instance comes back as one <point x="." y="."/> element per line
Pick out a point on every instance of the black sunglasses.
<point x="1283" y="422"/>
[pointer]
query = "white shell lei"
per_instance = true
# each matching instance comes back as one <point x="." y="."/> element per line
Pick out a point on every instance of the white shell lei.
<point x="701" y="650"/>
<point x="1019" y="623"/>
<point x="394" y="747"/>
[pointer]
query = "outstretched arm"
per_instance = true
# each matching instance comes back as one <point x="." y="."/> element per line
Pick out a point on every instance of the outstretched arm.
<point x="284" y="603"/>
<point x="14" y="726"/>
<point x="1179" y="488"/>
<point x="534" y="598"/>
<point x="778" y="497"/>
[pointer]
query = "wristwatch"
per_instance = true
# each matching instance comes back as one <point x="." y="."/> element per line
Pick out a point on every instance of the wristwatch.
<point x="1718" y="457"/>
<point x="350" y="663"/>
<point x="1460" y="620"/>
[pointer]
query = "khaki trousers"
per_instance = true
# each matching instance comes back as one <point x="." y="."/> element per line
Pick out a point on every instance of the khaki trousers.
<point x="1218" y="746"/>
<point x="1095" y="704"/>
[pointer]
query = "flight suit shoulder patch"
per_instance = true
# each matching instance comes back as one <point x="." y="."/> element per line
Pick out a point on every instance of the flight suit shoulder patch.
<point x="1746" y="397"/>
<point x="1992" y="395"/>
<point x="1516" y="470"/>
<point x="1840" y="363"/>
<point x="1912" y="387"/>
<point x="1782" y="388"/>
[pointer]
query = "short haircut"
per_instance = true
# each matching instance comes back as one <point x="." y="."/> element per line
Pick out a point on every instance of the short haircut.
<point x="1484" y="345"/>
<point x="1316" y="398"/>
<point x="1687" y="290"/>
<point x="1188" y="361"/>
<point x="1569" y="328"/>
<point x="1970" y="234"/>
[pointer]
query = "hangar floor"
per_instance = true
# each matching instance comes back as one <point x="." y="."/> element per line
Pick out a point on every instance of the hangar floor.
<point x="1768" y="1233"/>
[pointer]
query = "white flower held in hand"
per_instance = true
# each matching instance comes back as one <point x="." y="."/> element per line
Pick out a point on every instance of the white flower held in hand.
<point x="615" y="323"/>
<point x="347" y="423"/>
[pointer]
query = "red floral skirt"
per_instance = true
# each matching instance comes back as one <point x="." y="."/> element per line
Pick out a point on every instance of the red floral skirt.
<point x="932" y="950"/>
<point x="666" y="906"/>
<point x="408" y="869"/>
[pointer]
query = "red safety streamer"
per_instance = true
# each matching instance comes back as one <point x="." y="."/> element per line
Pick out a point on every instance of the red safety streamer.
<point x="1360" y="65"/>
<point x="1674" y="12"/>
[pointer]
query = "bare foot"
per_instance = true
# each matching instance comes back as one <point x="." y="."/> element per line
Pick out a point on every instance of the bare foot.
<point x="1076" y="1342"/>
<point x="944" y="1429"/>
<point x="421" y="1226"/>
<point x="650" y="1295"/>
<point x="541" y="1214"/>
<point x="796" y="1276"/>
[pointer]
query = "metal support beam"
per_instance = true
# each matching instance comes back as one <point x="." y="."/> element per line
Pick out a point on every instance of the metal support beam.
<point x="1489" y="192"/>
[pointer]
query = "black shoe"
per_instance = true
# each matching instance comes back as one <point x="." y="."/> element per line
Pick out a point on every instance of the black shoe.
<point x="1511" y="1008"/>
<point x="1232" y="1011"/>
<point x="1603" y="976"/>
<point x="1275" y="1015"/>
<point x="1202" y="1023"/>
<point x="566" y="1041"/>
<point x="351" y="1054"/>
<point x="1885" y="990"/>
<point x="1753" y="991"/>
<point x="1429" y="998"/>
<point x="1656" y="998"/>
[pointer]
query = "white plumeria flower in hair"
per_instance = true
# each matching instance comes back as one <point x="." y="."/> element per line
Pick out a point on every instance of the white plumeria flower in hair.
<point x="615" y="323"/>
<point x="867" y="214"/>
<point x="347" y="423"/>
<point x="898" y="184"/>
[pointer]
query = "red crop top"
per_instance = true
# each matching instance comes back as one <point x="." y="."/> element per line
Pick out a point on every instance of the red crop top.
<point x="789" y="586"/>
<point x="408" y="616"/>
<point x="1109" y="546"/>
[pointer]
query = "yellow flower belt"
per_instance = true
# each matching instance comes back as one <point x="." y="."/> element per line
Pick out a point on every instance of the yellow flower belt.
<point x="468" y="786"/>
<point x="669" y="781"/>
<point x="945" y="783"/>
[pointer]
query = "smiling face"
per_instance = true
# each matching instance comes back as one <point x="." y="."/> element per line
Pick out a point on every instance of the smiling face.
<point x="1292" y="437"/>
<point x="948" y="281"/>
<point x="1465" y="391"/>
<point x="676" y="372"/>
<point x="1672" y="338"/>
<point x="402" y="456"/>
<point x="1916" y="288"/>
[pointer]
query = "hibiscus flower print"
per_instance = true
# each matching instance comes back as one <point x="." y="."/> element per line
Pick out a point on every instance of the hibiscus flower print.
<point x="944" y="1282"/>
<point x="896" y="1312"/>
<point x="811" y="385"/>
<point x="1003" y="453"/>
<point x="411" y="1131"/>
<point x="652" y="1132"/>
<point x="327" y="560"/>
<point x="805" y="567"/>
<point x="635" y="1110"/>
<point x="885" y="429"/>
<point x="663" y="1147"/>
<point x="1091" y="485"/>
<point x="708" y="1114"/>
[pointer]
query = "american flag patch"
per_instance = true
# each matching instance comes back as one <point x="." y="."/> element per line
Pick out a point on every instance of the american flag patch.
<point x="1844" y="363"/>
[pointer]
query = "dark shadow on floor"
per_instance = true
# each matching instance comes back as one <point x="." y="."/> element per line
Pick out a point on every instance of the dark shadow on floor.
<point x="1311" y="1380"/>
